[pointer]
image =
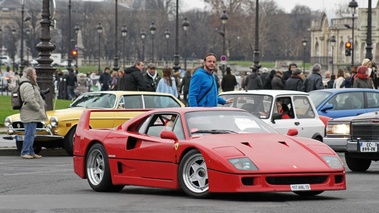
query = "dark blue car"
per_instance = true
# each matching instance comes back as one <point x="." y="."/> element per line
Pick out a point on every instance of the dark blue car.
<point x="336" y="103"/>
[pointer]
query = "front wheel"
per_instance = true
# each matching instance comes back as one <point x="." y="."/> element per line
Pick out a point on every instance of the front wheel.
<point x="193" y="175"/>
<point x="357" y="164"/>
<point x="98" y="171"/>
<point x="68" y="142"/>
<point x="37" y="148"/>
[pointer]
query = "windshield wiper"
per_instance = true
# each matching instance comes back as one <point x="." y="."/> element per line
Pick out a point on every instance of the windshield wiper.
<point x="214" y="131"/>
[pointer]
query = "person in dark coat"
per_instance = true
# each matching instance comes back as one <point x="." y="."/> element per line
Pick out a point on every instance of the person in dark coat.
<point x="228" y="81"/>
<point x="151" y="78"/>
<point x="264" y="74"/>
<point x="133" y="79"/>
<point x="253" y="81"/>
<point x="330" y="83"/>
<point x="185" y="84"/>
<point x="294" y="82"/>
<point x="362" y="79"/>
<point x="314" y="80"/>
<point x="105" y="79"/>
<point x="267" y="83"/>
<point x="276" y="82"/>
<point x="287" y="74"/>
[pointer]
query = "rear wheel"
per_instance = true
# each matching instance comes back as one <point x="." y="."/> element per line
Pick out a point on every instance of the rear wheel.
<point x="68" y="142"/>
<point x="37" y="148"/>
<point x="98" y="171"/>
<point x="193" y="175"/>
<point x="357" y="164"/>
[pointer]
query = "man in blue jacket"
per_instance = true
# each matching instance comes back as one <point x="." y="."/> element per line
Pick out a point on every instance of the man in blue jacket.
<point x="203" y="90"/>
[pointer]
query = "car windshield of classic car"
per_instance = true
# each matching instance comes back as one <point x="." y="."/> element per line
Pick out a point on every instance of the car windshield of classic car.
<point x="214" y="122"/>
<point x="108" y="101"/>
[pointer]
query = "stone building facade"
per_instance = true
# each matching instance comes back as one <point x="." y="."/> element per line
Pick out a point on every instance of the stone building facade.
<point x="328" y="25"/>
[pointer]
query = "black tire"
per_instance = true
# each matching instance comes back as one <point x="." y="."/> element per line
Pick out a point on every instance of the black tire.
<point x="68" y="143"/>
<point x="98" y="171"/>
<point x="37" y="148"/>
<point x="357" y="164"/>
<point x="194" y="187"/>
<point x="308" y="193"/>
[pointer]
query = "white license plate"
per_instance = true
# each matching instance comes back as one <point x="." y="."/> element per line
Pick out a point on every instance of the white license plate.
<point x="19" y="138"/>
<point x="368" y="147"/>
<point x="300" y="187"/>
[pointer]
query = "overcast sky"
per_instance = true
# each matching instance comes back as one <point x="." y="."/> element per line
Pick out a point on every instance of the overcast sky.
<point x="288" y="5"/>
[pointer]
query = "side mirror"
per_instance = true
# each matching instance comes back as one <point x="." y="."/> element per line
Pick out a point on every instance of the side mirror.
<point x="292" y="132"/>
<point x="165" y="134"/>
<point x="275" y="116"/>
<point x="327" y="107"/>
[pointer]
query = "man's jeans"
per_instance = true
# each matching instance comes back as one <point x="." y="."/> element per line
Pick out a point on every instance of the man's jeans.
<point x="30" y="134"/>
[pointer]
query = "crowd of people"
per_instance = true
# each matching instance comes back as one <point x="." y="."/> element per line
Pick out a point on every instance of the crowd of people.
<point x="136" y="78"/>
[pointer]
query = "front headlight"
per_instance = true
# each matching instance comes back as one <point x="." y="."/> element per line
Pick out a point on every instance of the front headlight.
<point x="338" y="129"/>
<point x="7" y="121"/>
<point x="243" y="164"/>
<point x="333" y="161"/>
<point x="54" y="121"/>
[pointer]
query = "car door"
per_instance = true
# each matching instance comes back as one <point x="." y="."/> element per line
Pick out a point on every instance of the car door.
<point x="303" y="117"/>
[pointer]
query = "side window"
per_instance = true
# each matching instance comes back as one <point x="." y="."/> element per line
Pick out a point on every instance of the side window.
<point x="284" y="106"/>
<point x="178" y="129"/>
<point x="335" y="102"/>
<point x="352" y="101"/>
<point x="303" y="108"/>
<point x="132" y="101"/>
<point x="154" y="125"/>
<point x="372" y="99"/>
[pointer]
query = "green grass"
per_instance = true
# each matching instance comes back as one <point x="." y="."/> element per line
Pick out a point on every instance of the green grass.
<point x="6" y="108"/>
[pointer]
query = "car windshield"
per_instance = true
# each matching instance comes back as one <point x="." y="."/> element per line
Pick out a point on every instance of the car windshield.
<point x="225" y="122"/>
<point x="258" y="105"/>
<point x="148" y="101"/>
<point x="95" y="100"/>
<point x="318" y="96"/>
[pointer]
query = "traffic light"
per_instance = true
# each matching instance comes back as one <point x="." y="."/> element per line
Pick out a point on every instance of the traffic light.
<point x="348" y="48"/>
<point x="74" y="53"/>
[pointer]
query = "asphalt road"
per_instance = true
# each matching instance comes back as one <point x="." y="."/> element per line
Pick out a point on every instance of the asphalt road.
<point x="50" y="185"/>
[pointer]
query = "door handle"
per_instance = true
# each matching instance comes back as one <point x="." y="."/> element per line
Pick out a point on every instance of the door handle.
<point x="297" y="123"/>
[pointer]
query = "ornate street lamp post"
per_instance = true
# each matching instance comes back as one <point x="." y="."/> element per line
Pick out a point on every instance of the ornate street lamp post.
<point x="143" y="36"/>
<point x="352" y="5"/>
<point x="115" y="65"/>
<point x="304" y="42"/>
<point x="167" y="36"/>
<point x="176" y="55"/>
<point x="27" y="31"/>
<point x="76" y="29"/>
<point x="224" y="19"/>
<point x="369" y="26"/>
<point x="332" y="43"/>
<point x="124" y="32"/>
<point x="185" y="26"/>
<point x="69" y="58"/>
<point x="256" y="53"/>
<point x="99" y="32"/>
<point x="1" y="46"/>
<point x="14" y="42"/>
<point x="44" y="69"/>
<point x="153" y="28"/>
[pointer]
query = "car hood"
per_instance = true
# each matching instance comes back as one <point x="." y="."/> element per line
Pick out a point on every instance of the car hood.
<point x="361" y="116"/>
<point x="273" y="152"/>
<point x="61" y="114"/>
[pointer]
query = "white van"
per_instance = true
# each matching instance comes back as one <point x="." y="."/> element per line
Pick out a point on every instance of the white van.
<point x="5" y="60"/>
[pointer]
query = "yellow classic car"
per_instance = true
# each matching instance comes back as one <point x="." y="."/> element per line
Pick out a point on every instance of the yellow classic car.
<point x="59" y="129"/>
